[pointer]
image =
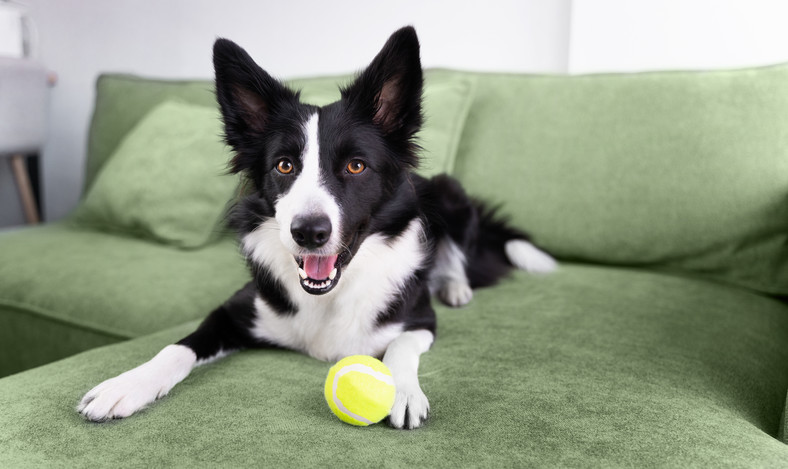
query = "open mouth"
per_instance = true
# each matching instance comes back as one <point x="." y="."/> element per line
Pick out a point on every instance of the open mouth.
<point x="319" y="274"/>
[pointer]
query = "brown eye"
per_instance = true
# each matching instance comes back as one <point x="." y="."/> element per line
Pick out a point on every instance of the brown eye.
<point x="284" y="166"/>
<point x="356" y="167"/>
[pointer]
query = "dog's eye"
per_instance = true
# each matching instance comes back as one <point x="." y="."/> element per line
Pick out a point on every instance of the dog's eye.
<point x="356" y="167"/>
<point x="284" y="166"/>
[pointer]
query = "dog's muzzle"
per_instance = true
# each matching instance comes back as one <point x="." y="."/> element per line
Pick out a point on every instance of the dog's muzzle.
<point x="319" y="272"/>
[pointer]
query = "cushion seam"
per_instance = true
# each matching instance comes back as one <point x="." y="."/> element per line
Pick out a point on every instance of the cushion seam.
<point x="458" y="124"/>
<point x="52" y="316"/>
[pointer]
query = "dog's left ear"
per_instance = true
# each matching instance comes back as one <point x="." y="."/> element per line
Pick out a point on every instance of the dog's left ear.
<point x="389" y="90"/>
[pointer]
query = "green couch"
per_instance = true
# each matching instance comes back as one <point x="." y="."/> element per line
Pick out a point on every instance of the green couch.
<point x="662" y="340"/>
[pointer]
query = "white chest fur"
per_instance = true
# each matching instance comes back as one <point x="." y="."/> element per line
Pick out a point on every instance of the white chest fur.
<point x="344" y="321"/>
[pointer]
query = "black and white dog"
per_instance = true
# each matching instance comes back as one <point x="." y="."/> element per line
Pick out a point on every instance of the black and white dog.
<point x="344" y="242"/>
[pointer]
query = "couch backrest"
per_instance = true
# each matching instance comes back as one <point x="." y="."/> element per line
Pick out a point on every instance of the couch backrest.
<point x="683" y="170"/>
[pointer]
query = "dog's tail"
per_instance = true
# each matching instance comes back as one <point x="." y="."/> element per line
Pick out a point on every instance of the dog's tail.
<point x="525" y="256"/>
<point x="497" y="234"/>
<point x="472" y="236"/>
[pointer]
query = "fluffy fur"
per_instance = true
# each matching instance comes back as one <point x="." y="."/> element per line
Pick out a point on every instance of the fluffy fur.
<point x="345" y="243"/>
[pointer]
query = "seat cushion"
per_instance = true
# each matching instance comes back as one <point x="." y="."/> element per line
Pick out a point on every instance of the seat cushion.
<point x="65" y="289"/>
<point x="586" y="367"/>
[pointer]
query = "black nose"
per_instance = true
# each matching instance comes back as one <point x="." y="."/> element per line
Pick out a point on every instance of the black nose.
<point x="311" y="232"/>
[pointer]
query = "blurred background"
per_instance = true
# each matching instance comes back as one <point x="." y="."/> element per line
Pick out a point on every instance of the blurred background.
<point x="76" y="40"/>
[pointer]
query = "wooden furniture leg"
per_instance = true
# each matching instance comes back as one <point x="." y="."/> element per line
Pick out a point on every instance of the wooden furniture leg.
<point x="19" y="168"/>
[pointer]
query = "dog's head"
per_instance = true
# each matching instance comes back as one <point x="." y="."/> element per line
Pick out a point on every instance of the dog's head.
<point x="325" y="175"/>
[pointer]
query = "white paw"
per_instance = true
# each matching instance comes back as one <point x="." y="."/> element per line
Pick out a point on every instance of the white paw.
<point x="455" y="293"/>
<point x="133" y="390"/>
<point x="411" y="409"/>
<point x="526" y="256"/>
<point x="120" y="397"/>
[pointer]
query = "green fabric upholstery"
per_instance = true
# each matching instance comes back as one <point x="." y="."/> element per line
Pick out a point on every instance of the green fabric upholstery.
<point x="685" y="171"/>
<point x="66" y="289"/>
<point x="167" y="179"/>
<point x="662" y="348"/>
<point x="29" y="337"/>
<point x="526" y="376"/>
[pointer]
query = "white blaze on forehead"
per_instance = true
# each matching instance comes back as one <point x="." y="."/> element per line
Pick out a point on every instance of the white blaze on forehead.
<point x="308" y="195"/>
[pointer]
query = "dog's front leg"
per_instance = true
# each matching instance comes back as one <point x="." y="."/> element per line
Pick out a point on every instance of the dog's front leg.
<point x="411" y="406"/>
<point x="223" y="331"/>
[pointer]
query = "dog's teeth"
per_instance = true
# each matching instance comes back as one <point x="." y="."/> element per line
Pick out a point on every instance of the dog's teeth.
<point x="302" y="273"/>
<point x="333" y="274"/>
<point x="317" y="286"/>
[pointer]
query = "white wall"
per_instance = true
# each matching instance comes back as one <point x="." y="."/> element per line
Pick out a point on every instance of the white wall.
<point x="637" y="35"/>
<point x="172" y="38"/>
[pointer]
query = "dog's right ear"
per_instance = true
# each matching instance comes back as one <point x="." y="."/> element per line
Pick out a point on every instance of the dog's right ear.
<point x="388" y="92"/>
<point x="247" y="97"/>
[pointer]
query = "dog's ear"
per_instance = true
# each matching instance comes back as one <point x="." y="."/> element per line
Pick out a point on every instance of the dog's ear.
<point x="389" y="90"/>
<point x="247" y="97"/>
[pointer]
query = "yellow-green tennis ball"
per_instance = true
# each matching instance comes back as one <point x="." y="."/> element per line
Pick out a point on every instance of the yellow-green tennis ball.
<point x="360" y="390"/>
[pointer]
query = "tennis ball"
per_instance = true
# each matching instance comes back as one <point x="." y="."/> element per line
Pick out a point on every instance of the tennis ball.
<point x="360" y="390"/>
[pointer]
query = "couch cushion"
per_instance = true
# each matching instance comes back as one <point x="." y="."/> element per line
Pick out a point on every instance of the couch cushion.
<point x="136" y="97"/>
<point x="587" y="367"/>
<point x="685" y="170"/>
<point x="65" y="289"/>
<point x="166" y="181"/>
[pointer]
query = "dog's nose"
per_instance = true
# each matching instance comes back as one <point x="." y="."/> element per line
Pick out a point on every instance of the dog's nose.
<point x="311" y="232"/>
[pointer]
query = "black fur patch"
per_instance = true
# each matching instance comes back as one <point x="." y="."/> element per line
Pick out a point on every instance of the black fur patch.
<point x="227" y="328"/>
<point x="476" y="228"/>
<point x="272" y="291"/>
<point x="412" y="306"/>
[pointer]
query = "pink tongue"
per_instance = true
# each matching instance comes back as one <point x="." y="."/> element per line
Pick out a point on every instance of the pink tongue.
<point x="319" y="267"/>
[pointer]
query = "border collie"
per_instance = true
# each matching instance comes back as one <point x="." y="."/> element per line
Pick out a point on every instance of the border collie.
<point x="345" y="243"/>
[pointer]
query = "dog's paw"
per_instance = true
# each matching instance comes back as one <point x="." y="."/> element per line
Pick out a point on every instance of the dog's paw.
<point x="526" y="256"/>
<point x="410" y="410"/>
<point x="455" y="293"/>
<point x="127" y="393"/>
<point x="120" y="396"/>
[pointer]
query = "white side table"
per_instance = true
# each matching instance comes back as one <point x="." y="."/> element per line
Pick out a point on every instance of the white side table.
<point x="24" y="88"/>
